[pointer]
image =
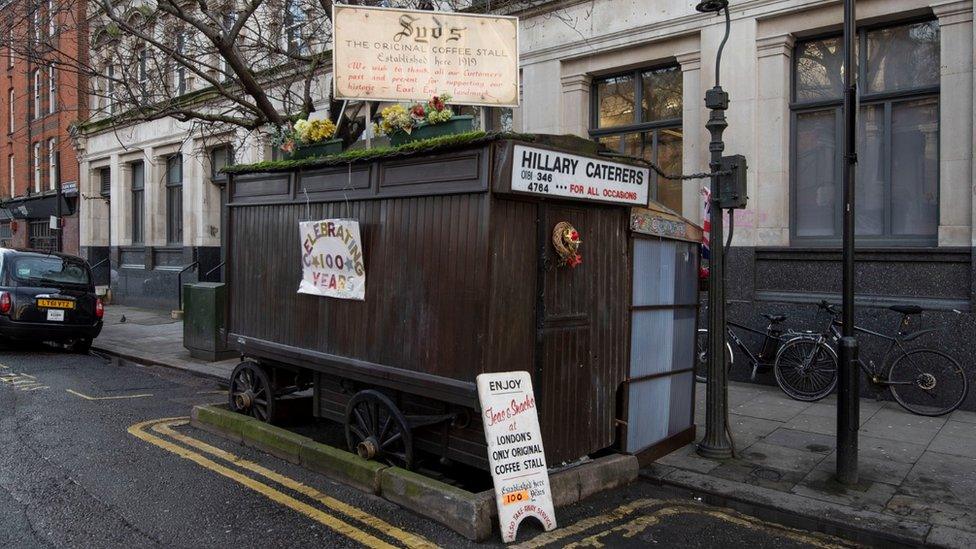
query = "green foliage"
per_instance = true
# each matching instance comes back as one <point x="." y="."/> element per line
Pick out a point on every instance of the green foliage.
<point x="435" y="144"/>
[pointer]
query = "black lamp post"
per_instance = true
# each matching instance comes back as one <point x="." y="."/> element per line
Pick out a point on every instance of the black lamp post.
<point x="716" y="443"/>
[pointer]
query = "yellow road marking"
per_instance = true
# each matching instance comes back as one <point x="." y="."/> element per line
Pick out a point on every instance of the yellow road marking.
<point x="638" y="524"/>
<point x="330" y="521"/>
<point x="86" y="397"/>
<point x="411" y="540"/>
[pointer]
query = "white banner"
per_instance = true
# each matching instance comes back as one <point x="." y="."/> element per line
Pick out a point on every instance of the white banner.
<point x="384" y="54"/>
<point x="515" y="452"/>
<point x="332" y="259"/>
<point x="541" y="171"/>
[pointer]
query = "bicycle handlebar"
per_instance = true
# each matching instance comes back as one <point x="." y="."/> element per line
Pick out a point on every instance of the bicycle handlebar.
<point x="827" y="306"/>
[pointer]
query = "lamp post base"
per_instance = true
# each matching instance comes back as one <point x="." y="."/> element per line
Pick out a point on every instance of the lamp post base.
<point x="714" y="452"/>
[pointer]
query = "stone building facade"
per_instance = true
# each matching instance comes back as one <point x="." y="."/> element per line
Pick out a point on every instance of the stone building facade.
<point x="633" y="74"/>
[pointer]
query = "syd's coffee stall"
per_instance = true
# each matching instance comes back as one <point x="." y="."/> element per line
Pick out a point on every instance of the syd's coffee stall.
<point x="389" y="279"/>
<point x="421" y="267"/>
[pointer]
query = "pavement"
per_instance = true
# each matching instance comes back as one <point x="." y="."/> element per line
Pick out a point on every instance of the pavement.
<point x="151" y="336"/>
<point x="917" y="474"/>
<point x="98" y="453"/>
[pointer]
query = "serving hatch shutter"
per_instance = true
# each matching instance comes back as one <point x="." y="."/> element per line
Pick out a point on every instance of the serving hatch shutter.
<point x="105" y="180"/>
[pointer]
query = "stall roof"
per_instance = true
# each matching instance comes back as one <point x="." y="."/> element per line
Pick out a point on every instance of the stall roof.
<point x="659" y="220"/>
<point x="427" y="146"/>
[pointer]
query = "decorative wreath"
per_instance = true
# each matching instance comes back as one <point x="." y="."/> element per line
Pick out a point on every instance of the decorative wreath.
<point x="566" y="240"/>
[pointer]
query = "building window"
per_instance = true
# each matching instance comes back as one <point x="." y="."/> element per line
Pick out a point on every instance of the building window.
<point x="105" y="181"/>
<point x="110" y="88"/>
<point x="638" y="113"/>
<point x="179" y="73"/>
<point x="52" y="163"/>
<point x="37" y="167"/>
<point x="220" y="157"/>
<point x="143" y="75"/>
<point x="37" y="93"/>
<point x="10" y="110"/>
<point x="52" y="24"/>
<point x="174" y="200"/>
<point x="897" y="193"/>
<point x="52" y="90"/>
<point x="11" y="171"/>
<point x="294" y="23"/>
<point x="138" y="201"/>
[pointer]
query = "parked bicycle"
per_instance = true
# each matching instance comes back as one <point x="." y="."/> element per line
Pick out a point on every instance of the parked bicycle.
<point x="763" y="358"/>
<point x="923" y="380"/>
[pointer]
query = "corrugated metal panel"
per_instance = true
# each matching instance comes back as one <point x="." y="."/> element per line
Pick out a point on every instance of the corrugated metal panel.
<point x="682" y="395"/>
<point x="654" y="272"/>
<point x="649" y="406"/>
<point x="651" y="342"/>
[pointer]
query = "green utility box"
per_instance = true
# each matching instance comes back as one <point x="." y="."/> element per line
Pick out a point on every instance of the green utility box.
<point x="203" y="321"/>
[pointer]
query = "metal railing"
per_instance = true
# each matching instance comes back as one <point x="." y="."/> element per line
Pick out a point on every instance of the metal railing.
<point x="179" y="283"/>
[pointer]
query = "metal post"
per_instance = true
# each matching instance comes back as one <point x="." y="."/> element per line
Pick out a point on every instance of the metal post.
<point x="59" y="243"/>
<point x="848" y="393"/>
<point x="716" y="443"/>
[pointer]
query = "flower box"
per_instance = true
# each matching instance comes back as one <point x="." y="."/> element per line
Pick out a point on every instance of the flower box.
<point x="457" y="124"/>
<point x="322" y="148"/>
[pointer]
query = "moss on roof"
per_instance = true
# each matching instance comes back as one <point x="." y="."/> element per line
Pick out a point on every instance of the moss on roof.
<point x="433" y="145"/>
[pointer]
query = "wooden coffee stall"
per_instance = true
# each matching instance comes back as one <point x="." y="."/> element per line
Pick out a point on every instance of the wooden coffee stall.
<point x="461" y="242"/>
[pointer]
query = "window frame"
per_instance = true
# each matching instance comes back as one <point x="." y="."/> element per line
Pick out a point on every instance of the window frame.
<point x="11" y="115"/>
<point x="36" y="80"/>
<point x="654" y="127"/>
<point x="216" y="176"/>
<point x="138" y="204"/>
<point x="12" y="169"/>
<point x="52" y="165"/>
<point x="885" y="99"/>
<point x="52" y="90"/>
<point x="174" y="195"/>
<point x="37" y="166"/>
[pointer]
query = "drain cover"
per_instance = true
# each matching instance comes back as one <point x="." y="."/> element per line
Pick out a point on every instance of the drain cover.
<point x="767" y="474"/>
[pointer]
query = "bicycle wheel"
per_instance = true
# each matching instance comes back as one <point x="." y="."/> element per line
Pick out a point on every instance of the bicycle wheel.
<point x="701" y="355"/>
<point x="927" y="382"/>
<point x="806" y="369"/>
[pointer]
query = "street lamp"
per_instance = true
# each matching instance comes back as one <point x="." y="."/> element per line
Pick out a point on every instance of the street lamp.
<point x="716" y="444"/>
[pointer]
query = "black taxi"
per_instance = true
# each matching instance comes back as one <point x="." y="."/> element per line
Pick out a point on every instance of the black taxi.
<point x="48" y="297"/>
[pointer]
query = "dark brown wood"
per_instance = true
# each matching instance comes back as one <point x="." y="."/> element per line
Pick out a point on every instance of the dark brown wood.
<point x="678" y="440"/>
<point x="453" y="289"/>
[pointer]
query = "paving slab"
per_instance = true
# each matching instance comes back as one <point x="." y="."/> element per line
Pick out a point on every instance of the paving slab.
<point x="753" y="474"/>
<point x="748" y="430"/>
<point x="963" y="416"/>
<point x="866" y="495"/>
<point x="953" y="538"/>
<point x="900" y="425"/>
<point x="923" y="509"/>
<point x="801" y="440"/>
<point x="781" y="458"/>
<point x="955" y="438"/>
<point x="687" y="458"/>
<point x="888" y="449"/>
<point x="768" y="410"/>
<point x="887" y="471"/>
<point x="944" y="478"/>
<point x="829" y="409"/>
<point x="813" y="424"/>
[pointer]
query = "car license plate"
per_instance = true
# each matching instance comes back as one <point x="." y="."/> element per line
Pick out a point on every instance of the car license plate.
<point x="56" y="303"/>
<point x="55" y="315"/>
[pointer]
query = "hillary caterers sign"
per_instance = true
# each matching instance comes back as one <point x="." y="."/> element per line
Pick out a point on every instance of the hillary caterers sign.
<point x="541" y="171"/>
<point x="382" y="54"/>
<point x="515" y="453"/>
<point x="332" y="259"/>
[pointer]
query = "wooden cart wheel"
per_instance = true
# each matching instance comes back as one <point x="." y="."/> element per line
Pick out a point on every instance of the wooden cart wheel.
<point x="251" y="392"/>
<point x="376" y="429"/>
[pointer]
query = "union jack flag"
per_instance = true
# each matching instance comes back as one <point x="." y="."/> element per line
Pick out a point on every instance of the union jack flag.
<point x="706" y="222"/>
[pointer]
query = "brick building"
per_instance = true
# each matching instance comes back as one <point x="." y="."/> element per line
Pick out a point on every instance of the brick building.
<point x="41" y="95"/>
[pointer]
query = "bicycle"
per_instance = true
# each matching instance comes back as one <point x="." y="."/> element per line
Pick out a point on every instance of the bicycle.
<point x="764" y="358"/>
<point x="923" y="380"/>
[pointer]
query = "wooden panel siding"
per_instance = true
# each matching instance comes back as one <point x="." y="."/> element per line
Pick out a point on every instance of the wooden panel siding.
<point x="426" y="271"/>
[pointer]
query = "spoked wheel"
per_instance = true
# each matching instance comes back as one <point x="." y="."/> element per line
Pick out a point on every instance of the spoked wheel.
<point x="701" y="356"/>
<point x="251" y="392"/>
<point x="927" y="382"/>
<point x="806" y="369"/>
<point x="377" y="430"/>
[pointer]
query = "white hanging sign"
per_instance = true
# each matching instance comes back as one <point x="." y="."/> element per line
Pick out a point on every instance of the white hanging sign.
<point x="332" y="259"/>
<point x="515" y="452"/>
<point x="553" y="173"/>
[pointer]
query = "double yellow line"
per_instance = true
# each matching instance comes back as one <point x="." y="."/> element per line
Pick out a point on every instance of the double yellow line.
<point x="165" y="427"/>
